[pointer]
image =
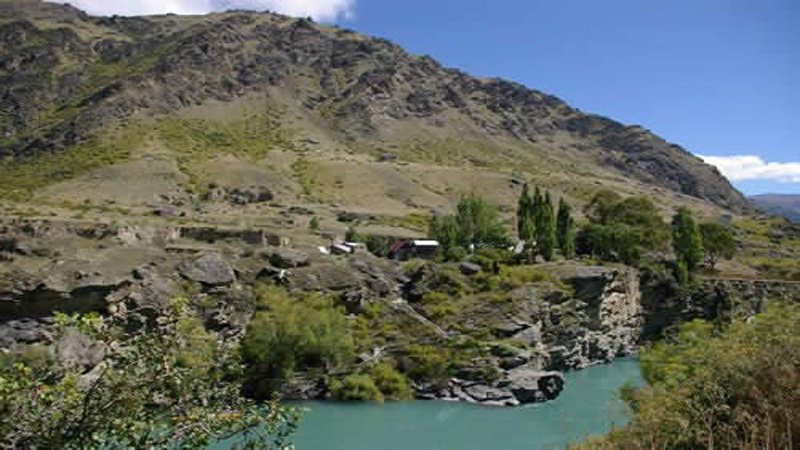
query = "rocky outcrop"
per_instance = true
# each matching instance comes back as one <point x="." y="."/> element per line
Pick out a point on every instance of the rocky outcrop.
<point x="240" y="196"/>
<point x="665" y="303"/>
<point x="288" y="259"/>
<point x="518" y="386"/>
<point x="210" y="270"/>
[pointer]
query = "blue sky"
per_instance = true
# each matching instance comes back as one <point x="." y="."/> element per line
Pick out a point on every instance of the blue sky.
<point x="719" y="77"/>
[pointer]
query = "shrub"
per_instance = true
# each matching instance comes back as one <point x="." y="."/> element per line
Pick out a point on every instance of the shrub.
<point x="356" y="387"/>
<point x="392" y="384"/>
<point x="711" y="388"/>
<point x="142" y="398"/>
<point x="427" y="363"/>
<point x="304" y="334"/>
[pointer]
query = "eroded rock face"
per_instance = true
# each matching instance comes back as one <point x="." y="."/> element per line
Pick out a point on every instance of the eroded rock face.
<point x="241" y="196"/>
<point x="210" y="269"/>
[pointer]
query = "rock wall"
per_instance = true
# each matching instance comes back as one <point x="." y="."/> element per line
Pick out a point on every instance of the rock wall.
<point x="666" y="304"/>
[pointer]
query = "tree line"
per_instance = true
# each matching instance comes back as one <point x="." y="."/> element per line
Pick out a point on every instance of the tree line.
<point x="616" y="229"/>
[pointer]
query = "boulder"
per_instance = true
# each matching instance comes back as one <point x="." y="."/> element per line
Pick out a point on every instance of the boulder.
<point x="24" y="331"/>
<point x="288" y="259"/>
<point x="75" y="350"/>
<point x="531" y="386"/>
<point x="210" y="269"/>
<point x="468" y="268"/>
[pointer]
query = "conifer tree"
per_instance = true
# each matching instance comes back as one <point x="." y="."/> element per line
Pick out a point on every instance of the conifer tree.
<point x="523" y="211"/>
<point x="545" y="228"/>
<point x="565" y="229"/>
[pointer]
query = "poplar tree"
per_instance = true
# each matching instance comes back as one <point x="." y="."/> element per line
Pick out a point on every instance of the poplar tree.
<point x="545" y="228"/>
<point x="523" y="210"/>
<point x="565" y="229"/>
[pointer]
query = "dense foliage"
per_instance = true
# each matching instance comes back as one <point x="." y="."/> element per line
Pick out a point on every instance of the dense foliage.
<point x="540" y="228"/>
<point x="290" y="335"/>
<point x="170" y="386"/>
<point x="718" y="243"/>
<point x="475" y="225"/>
<point x="711" y="388"/>
<point x="687" y="243"/>
<point x="622" y="229"/>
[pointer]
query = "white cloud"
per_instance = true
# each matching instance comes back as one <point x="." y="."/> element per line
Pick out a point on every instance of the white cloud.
<point x="322" y="10"/>
<point x="750" y="167"/>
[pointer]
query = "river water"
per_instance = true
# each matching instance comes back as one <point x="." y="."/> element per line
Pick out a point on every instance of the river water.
<point x="589" y="405"/>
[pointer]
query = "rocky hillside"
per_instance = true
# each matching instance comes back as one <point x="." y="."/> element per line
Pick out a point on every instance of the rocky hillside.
<point x="786" y="205"/>
<point x="81" y="93"/>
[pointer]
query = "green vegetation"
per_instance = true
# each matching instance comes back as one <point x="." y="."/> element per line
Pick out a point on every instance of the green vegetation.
<point x="545" y="225"/>
<point x="352" y="235"/>
<point x="540" y="228"/>
<point x="301" y="168"/>
<point x="313" y="224"/>
<point x="20" y="178"/>
<point x="687" y="243"/>
<point x="381" y="382"/>
<point x="476" y="224"/>
<point x="565" y="230"/>
<point x="769" y="245"/>
<point x="718" y="242"/>
<point x="290" y="335"/>
<point x="192" y="141"/>
<point x="622" y="230"/>
<point x="146" y="394"/>
<point x="711" y="388"/>
<point x="356" y="387"/>
<point x="196" y="140"/>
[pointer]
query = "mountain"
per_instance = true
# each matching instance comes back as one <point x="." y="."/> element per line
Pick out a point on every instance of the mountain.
<point x="786" y="205"/>
<point x="82" y="94"/>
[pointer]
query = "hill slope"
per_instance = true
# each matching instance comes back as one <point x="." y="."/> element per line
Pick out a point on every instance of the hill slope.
<point x="786" y="205"/>
<point x="82" y="93"/>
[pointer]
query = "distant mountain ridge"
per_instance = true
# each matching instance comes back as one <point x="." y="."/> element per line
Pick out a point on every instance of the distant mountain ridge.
<point x="786" y="205"/>
<point x="66" y="77"/>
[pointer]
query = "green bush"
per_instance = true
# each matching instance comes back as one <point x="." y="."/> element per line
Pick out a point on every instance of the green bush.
<point x="712" y="388"/>
<point x="392" y="384"/>
<point x="356" y="387"/>
<point x="427" y="363"/>
<point x="291" y="335"/>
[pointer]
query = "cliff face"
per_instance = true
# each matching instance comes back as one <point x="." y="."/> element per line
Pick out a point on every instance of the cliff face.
<point x="66" y="77"/>
<point x="665" y="304"/>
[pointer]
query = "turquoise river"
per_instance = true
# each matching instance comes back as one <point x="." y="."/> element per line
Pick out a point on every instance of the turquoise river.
<point x="589" y="405"/>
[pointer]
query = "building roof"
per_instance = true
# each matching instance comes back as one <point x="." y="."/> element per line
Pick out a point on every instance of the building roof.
<point x="426" y="243"/>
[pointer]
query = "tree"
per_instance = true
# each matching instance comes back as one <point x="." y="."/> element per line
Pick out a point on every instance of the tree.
<point x="545" y="228"/>
<point x="686" y="240"/>
<point x="622" y="229"/>
<point x="601" y="209"/>
<point x="565" y="229"/>
<point x="523" y="211"/>
<point x="476" y="223"/>
<point x="172" y="385"/>
<point x="290" y="335"/>
<point x="718" y="242"/>
<point x="445" y="230"/>
<point x="526" y="220"/>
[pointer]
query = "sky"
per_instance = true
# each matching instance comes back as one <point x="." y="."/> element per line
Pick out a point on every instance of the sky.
<point x="719" y="77"/>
